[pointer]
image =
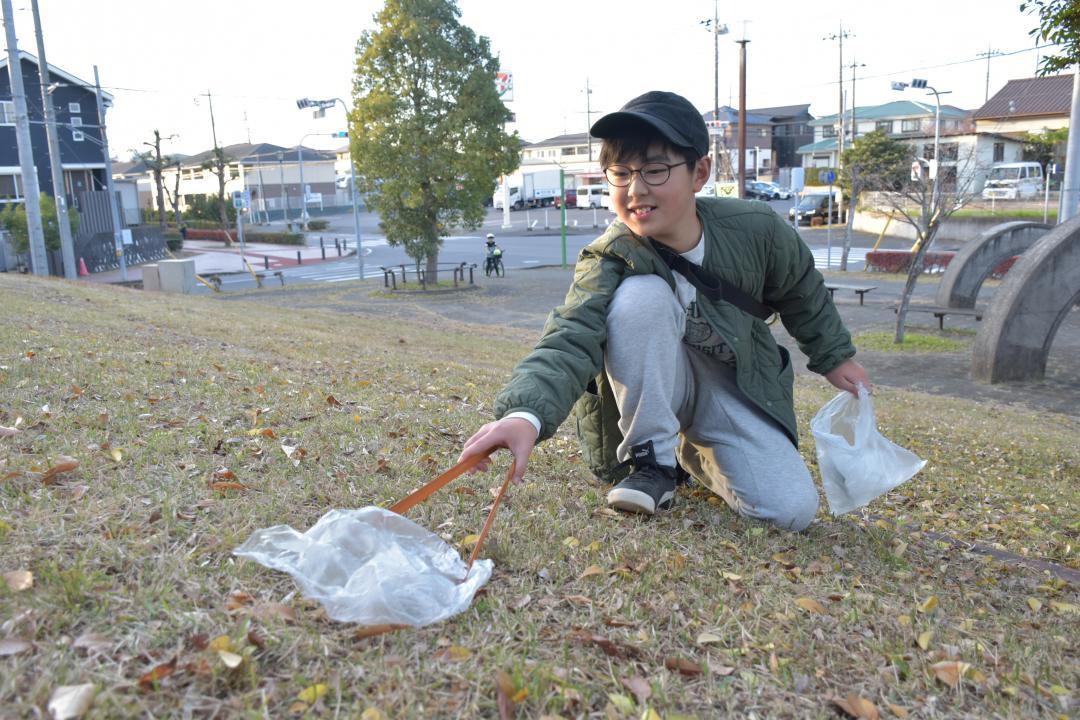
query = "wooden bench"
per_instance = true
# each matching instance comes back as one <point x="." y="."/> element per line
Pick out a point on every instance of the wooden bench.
<point x="940" y="312"/>
<point x="860" y="290"/>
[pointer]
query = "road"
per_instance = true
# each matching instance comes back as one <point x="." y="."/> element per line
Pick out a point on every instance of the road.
<point x="523" y="248"/>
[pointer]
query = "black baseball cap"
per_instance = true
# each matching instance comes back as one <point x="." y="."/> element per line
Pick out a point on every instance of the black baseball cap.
<point x="671" y="115"/>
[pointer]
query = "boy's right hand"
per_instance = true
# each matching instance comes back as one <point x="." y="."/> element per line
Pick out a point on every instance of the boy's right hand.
<point x="515" y="434"/>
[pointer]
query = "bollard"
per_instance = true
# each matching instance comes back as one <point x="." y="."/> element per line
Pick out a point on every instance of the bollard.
<point x="546" y="225"/>
<point x="594" y="224"/>
<point x="402" y="274"/>
<point x="299" y="260"/>
<point x="266" y="262"/>
<point x="527" y="225"/>
<point x="321" y="242"/>
<point x="322" y="249"/>
<point x="337" y="244"/>
<point x="471" y="267"/>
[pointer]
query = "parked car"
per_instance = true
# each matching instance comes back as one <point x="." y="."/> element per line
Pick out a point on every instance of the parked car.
<point x="779" y="193"/>
<point x="571" y="198"/>
<point x="816" y="205"/>
<point x="758" y="191"/>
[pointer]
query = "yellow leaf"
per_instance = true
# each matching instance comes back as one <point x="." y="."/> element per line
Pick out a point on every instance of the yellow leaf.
<point x="622" y="703"/>
<point x="1064" y="607"/>
<point x="117" y="454"/>
<point x="811" y="605"/>
<point x="928" y="604"/>
<point x="469" y="540"/>
<point x="1035" y="604"/>
<point x="650" y="714"/>
<point x="925" y="638"/>
<point x="857" y="707"/>
<point x="593" y="546"/>
<point x="950" y="671"/>
<point x="590" y="571"/>
<point x="455" y="653"/>
<point x="19" y="580"/>
<point x="312" y="693"/>
<point x="730" y="577"/>
<point x="707" y="637"/>
<point x="898" y="711"/>
<point x="520" y="695"/>
<point x="231" y="659"/>
<point x="571" y="542"/>
<point x="904" y="620"/>
<point x="221" y="642"/>
<point x="372" y="713"/>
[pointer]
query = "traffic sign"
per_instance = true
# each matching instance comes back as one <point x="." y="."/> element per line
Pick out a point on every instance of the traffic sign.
<point x="830" y="177"/>
<point x="916" y="170"/>
<point x="241" y="199"/>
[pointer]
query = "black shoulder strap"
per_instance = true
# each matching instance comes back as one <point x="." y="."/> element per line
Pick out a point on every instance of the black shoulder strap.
<point x="709" y="285"/>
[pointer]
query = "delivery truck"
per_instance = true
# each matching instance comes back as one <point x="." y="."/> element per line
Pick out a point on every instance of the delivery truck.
<point x="529" y="190"/>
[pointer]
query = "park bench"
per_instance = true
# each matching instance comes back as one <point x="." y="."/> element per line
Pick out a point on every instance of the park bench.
<point x="940" y="312"/>
<point x="860" y="290"/>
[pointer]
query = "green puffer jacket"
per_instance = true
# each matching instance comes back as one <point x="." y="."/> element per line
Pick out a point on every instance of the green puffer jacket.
<point x="747" y="245"/>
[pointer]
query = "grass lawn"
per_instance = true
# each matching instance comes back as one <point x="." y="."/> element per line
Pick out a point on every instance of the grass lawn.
<point x="118" y="573"/>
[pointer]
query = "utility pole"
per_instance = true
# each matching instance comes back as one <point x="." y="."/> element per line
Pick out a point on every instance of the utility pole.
<point x="854" y="125"/>
<point x="39" y="261"/>
<point x="118" y="240"/>
<point x="742" y="117"/>
<point x="988" y="54"/>
<point x="67" y="243"/>
<point x="839" y="37"/>
<point x="588" y="116"/>
<point x="714" y="26"/>
<point x="1070" y="183"/>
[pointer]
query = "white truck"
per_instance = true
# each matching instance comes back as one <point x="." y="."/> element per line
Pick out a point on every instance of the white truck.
<point x="535" y="189"/>
<point x="1014" y="181"/>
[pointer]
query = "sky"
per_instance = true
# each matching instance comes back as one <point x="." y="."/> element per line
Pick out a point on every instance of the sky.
<point x="256" y="58"/>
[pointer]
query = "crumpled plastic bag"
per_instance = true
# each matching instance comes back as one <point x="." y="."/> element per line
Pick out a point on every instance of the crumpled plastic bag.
<point x="371" y="566"/>
<point x="857" y="462"/>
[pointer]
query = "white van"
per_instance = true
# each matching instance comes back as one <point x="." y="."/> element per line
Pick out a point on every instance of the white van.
<point x="1014" y="181"/>
<point x="590" y="196"/>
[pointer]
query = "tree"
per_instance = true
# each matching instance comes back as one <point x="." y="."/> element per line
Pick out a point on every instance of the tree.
<point x="157" y="163"/>
<point x="426" y="129"/>
<point x="924" y="203"/>
<point x="13" y="219"/>
<point x="218" y="163"/>
<point x="875" y="160"/>
<point x="1046" y="146"/>
<point x="1059" y="24"/>
<point x="174" y="196"/>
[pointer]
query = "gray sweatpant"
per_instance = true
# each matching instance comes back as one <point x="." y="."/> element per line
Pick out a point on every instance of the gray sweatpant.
<point x="690" y="407"/>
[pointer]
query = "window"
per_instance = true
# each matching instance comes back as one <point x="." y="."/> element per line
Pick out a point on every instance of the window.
<point x="999" y="152"/>
<point x="76" y="135"/>
<point x="909" y="126"/>
<point x="568" y="151"/>
<point x="950" y="151"/>
<point x="74" y="108"/>
<point x="884" y="126"/>
<point x="928" y="151"/>
<point x="7" y="113"/>
<point x="10" y="188"/>
<point x="76" y="122"/>
<point x="828" y="131"/>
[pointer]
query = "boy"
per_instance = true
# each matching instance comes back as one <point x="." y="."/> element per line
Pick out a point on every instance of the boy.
<point x="667" y="359"/>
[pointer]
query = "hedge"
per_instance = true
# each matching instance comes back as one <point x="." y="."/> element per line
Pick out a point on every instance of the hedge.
<point x="899" y="261"/>
<point x="273" y="238"/>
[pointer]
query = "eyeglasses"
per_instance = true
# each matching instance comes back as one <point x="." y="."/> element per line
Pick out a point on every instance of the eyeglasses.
<point x="654" y="173"/>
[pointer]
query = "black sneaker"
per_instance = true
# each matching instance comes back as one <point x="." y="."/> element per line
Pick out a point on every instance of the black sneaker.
<point x="650" y="487"/>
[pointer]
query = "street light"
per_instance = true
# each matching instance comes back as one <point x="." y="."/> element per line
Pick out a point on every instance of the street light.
<point x="933" y="166"/>
<point x="322" y="105"/>
<point x="281" y="181"/>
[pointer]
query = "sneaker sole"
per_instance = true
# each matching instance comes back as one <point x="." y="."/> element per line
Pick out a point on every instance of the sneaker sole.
<point x="635" y="501"/>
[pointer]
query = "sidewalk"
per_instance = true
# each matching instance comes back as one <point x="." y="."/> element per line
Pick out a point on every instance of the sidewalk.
<point x="213" y="258"/>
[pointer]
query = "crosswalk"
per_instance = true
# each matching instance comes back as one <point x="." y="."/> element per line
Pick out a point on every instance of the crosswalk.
<point x="824" y="260"/>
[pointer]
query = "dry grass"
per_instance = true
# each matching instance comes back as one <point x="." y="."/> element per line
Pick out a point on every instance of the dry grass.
<point x="131" y="552"/>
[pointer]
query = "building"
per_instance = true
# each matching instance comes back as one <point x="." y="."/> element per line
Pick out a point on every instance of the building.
<point x="1027" y="105"/>
<point x="724" y="129"/>
<point x="790" y="126"/>
<point x="82" y="156"/>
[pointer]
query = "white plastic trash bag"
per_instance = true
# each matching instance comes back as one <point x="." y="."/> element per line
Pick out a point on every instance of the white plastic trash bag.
<point x="371" y="566"/>
<point x="857" y="463"/>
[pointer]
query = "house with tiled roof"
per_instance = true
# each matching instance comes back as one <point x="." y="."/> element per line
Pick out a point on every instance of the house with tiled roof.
<point x="1027" y="105"/>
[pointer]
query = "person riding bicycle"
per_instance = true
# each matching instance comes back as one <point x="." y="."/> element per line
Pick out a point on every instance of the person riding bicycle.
<point x="494" y="255"/>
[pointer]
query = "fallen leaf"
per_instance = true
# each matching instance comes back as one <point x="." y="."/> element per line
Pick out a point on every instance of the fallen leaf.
<point x="577" y="600"/>
<point x="469" y="540"/>
<point x="609" y="647"/>
<point x="149" y="679"/>
<point x="811" y="605"/>
<point x="522" y="602"/>
<point x="722" y="670"/>
<point x="950" y="672"/>
<point x="226" y="486"/>
<point x="857" y="707"/>
<point x="924" y="639"/>
<point x="13" y="646"/>
<point x="571" y="542"/>
<point x="332" y="401"/>
<point x="238" y="599"/>
<point x="504" y="691"/>
<point x="1064" y="607"/>
<point x="19" y="580"/>
<point x="312" y="693"/>
<point x="707" y="637"/>
<point x="372" y="713"/>
<point x="622" y="703"/>
<point x="221" y="642"/>
<point x="454" y="653"/>
<point x="63" y="464"/>
<point x="231" y="659"/>
<point x="591" y="571"/>
<point x="730" y="576"/>
<point x="116" y="454"/>
<point x="639" y="686"/>
<point x="8" y="431"/>
<point x="224" y="473"/>
<point x="682" y="666"/>
<point x="898" y="711"/>
<point x="367" y="631"/>
<point x="274" y="611"/>
<point x="71" y="701"/>
<point x="929" y="604"/>
<point x="92" y="642"/>
<point x="1035" y="604"/>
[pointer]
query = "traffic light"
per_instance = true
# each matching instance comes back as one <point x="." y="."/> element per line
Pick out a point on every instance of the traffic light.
<point x="917" y="83"/>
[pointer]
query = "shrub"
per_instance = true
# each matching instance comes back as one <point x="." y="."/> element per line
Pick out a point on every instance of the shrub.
<point x="274" y="238"/>
<point x="318" y="224"/>
<point x="13" y="219"/>
<point x="174" y="242"/>
<point x="899" y="261"/>
<point x="816" y="175"/>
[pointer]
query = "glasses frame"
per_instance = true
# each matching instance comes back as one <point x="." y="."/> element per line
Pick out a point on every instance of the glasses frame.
<point x="641" y="174"/>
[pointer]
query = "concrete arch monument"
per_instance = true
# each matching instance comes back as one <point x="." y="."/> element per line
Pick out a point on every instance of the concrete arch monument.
<point x="967" y="271"/>
<point x="1039" y="291"/>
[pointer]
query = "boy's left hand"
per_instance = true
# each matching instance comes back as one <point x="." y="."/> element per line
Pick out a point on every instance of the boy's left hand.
<point x="849" y="375"/>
